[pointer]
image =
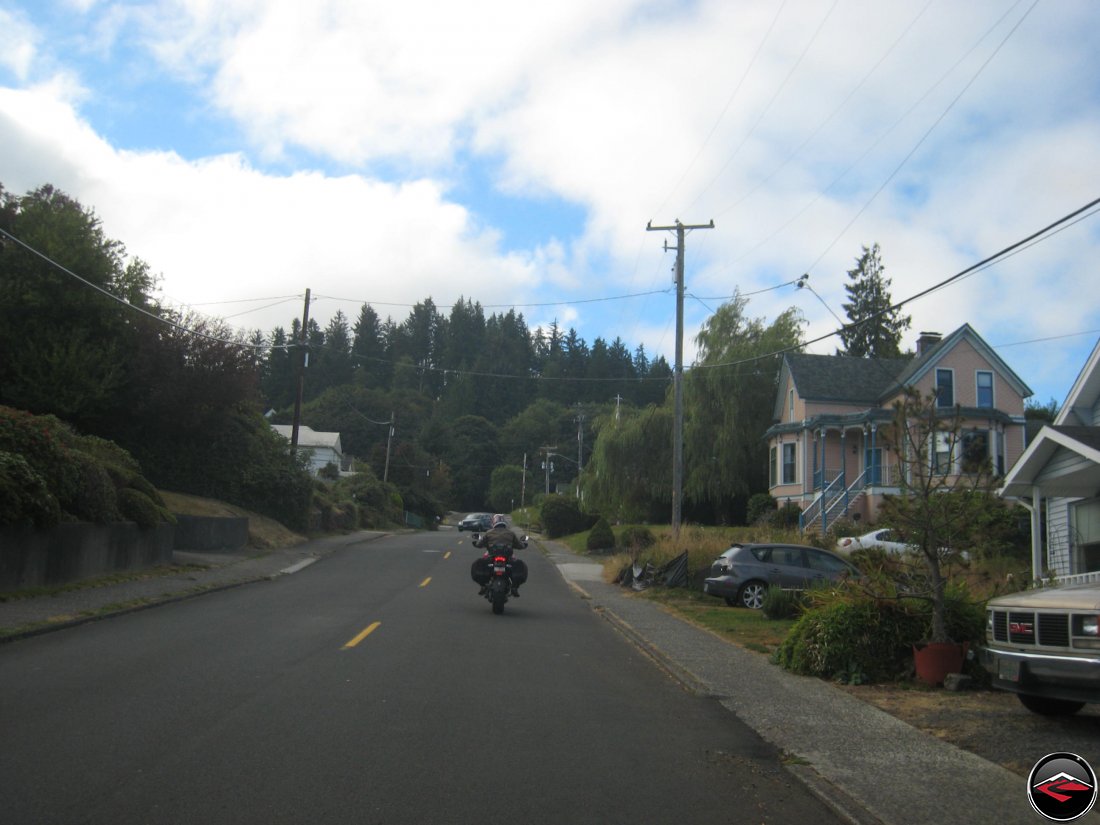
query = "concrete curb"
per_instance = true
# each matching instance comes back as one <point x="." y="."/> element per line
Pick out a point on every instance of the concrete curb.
<point x="97" y="604"/>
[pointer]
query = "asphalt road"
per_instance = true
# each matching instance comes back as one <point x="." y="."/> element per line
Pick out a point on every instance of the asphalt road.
<point x="273" y="703"/>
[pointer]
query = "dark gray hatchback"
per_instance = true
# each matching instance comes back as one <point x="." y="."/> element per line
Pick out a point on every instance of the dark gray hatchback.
<point x="743" y="574"/>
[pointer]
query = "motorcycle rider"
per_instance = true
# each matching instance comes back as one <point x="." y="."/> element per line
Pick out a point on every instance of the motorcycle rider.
<point x="499" y="538"/>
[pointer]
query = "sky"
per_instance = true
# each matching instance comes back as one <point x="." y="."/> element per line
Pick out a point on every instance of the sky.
<point x="514" y="154"/>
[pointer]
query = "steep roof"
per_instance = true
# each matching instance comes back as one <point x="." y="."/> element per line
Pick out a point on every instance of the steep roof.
<point x="1084" y="393"/>
<point x="843" y="378"/>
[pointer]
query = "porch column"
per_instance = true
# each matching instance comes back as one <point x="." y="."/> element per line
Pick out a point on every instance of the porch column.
<point x="821" y="467"/>
<point x="844" y="464"/>
<point x="1036" y="534"/>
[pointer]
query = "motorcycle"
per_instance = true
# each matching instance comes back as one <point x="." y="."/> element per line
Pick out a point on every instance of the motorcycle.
<point x="501" y="565"/>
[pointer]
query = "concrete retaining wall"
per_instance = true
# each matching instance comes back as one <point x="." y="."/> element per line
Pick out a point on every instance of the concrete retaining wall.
<point x="72" y="551"/>
<point x="209" y="534"/>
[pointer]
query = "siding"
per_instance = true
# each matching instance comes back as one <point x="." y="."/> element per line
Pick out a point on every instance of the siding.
<point x="1058" y="544"/>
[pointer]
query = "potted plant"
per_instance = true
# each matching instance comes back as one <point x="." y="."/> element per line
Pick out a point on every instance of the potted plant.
<point x="945" y="487"/>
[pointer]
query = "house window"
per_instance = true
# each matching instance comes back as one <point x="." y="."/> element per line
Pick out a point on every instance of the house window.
<point x="790" y="406"/>
<point x="789" y="463"/>
<point x="941" y="453"/>
<point x="985" y="389"/>
<point x="945" y="388"/>
<point x="975" y="451"/>
<point x="771" y="467"/>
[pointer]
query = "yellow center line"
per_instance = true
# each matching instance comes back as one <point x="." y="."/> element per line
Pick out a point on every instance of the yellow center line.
<point x="373" y="627"/>
<point x="425" y="582"/>
<point x="447" y="555"/>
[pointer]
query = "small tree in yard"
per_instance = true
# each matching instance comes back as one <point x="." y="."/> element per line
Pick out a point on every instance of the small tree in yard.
<point x="946" y="491"/>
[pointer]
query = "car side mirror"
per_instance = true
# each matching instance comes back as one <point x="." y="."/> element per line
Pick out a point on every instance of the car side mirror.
<point x="477" y="537"/>
<point x="524" y="539"/>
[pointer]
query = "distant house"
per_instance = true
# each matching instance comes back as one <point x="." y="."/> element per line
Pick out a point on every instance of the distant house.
<point x="1059" y="476"/>
<point x="323" y="448"/>
<point x="826" y="453"/>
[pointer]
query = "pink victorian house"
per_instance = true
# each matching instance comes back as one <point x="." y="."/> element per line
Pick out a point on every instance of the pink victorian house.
<point x="827" y="453"/>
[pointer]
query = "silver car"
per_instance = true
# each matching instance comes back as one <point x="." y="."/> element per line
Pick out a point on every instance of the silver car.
<point x="743" y="574"/>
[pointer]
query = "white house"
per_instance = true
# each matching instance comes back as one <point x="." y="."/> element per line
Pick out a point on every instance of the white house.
<point x="323" y="448"/>
<point x="1060" y="471"/>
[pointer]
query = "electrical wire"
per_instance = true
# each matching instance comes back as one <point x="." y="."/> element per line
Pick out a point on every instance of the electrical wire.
<point x="729" y="102"/>
<point x="141" y="310"/>
<point x="925" y="136"/>
<point x="1008" y="251"/>
<point x="767" y="108"/>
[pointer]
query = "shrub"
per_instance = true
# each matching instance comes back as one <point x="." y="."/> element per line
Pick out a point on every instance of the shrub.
<point x="760" y="508"/>
<point x="636" y="538"/>
<point x="786" y="516"/>
<point x="40" y="440"/>
<point x="138" y="507"/>
<point x="780" y="603"/>
<point x="560" y="516"/>
<point x="95" y="498"/>
<point x="25" y="499"/>
<point x="864" y="636"/>
<point x="601" y="537"/>
<point x="853" y="636"/>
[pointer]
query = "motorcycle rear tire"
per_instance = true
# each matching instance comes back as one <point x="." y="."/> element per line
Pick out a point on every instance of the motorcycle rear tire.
<point x="498" y="606"/>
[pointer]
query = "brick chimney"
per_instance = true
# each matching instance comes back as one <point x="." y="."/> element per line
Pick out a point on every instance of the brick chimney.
<point x="926" y="341"/>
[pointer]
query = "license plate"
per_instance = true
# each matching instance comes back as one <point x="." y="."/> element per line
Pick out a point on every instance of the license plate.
<point x="1008" y="670"/>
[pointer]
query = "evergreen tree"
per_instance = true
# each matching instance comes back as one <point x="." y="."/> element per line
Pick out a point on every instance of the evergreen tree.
<point x="874" y="329"/>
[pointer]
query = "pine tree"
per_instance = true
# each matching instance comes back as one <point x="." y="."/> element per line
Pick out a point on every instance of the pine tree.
<point x="874" y="329"/>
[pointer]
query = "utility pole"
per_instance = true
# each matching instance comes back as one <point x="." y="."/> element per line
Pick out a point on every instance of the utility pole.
<point x="580" y="446"/>
<point x="301" y="378"/>
<point x="389" y="440"/>
<point x="678" y="374"/>
<point x="523" y="485"/>
<point x="547" y="451"/>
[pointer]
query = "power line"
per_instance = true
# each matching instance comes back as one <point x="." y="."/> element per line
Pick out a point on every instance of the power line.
<point x="141" y="310"/>
<point x="877" y="141"/>
<point x="926" y="135"/>
<point x="1008" y="251"/>
<point x="503" y="306"/>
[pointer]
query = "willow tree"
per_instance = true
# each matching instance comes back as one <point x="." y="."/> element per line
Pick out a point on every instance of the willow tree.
<point x="629" y="475"/>
<point x="729" y="397"/>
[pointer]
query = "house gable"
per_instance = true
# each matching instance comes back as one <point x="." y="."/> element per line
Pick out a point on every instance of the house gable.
<point x="922" y="368"/>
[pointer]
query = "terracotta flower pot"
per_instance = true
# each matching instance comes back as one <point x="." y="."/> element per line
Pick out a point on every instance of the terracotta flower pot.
<point x="934" y="660"/>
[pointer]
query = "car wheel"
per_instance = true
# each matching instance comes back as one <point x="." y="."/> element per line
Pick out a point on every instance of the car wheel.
<point x="751" y="594"/>
<point x="1046" y="706"/>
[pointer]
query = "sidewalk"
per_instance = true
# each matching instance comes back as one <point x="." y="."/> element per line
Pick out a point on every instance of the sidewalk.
<point x="867" y="765"/>
<point x="206" y="572"/>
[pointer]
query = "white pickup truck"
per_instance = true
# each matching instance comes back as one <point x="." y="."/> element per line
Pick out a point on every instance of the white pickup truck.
<point x="1044" y="645"/>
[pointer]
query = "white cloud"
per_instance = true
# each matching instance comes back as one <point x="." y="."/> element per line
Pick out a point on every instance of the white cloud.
<point x="17" y="43"/>
<point x="626" y="110"/>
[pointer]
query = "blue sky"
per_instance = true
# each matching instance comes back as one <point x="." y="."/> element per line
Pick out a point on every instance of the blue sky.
<point x="513" y="154"/>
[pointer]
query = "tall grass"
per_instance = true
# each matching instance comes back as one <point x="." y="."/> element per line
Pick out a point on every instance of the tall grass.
<point x="703" y="545"/>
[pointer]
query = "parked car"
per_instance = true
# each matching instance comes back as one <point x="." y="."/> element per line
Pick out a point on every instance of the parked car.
<point x="475" y="522"/>
<point x="1044" y="646"/>
<point x="743" y="574"/>
<point x="884" y="538"/>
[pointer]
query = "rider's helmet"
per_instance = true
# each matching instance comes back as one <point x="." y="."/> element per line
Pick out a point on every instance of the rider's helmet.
<point x="498" y="521"/>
